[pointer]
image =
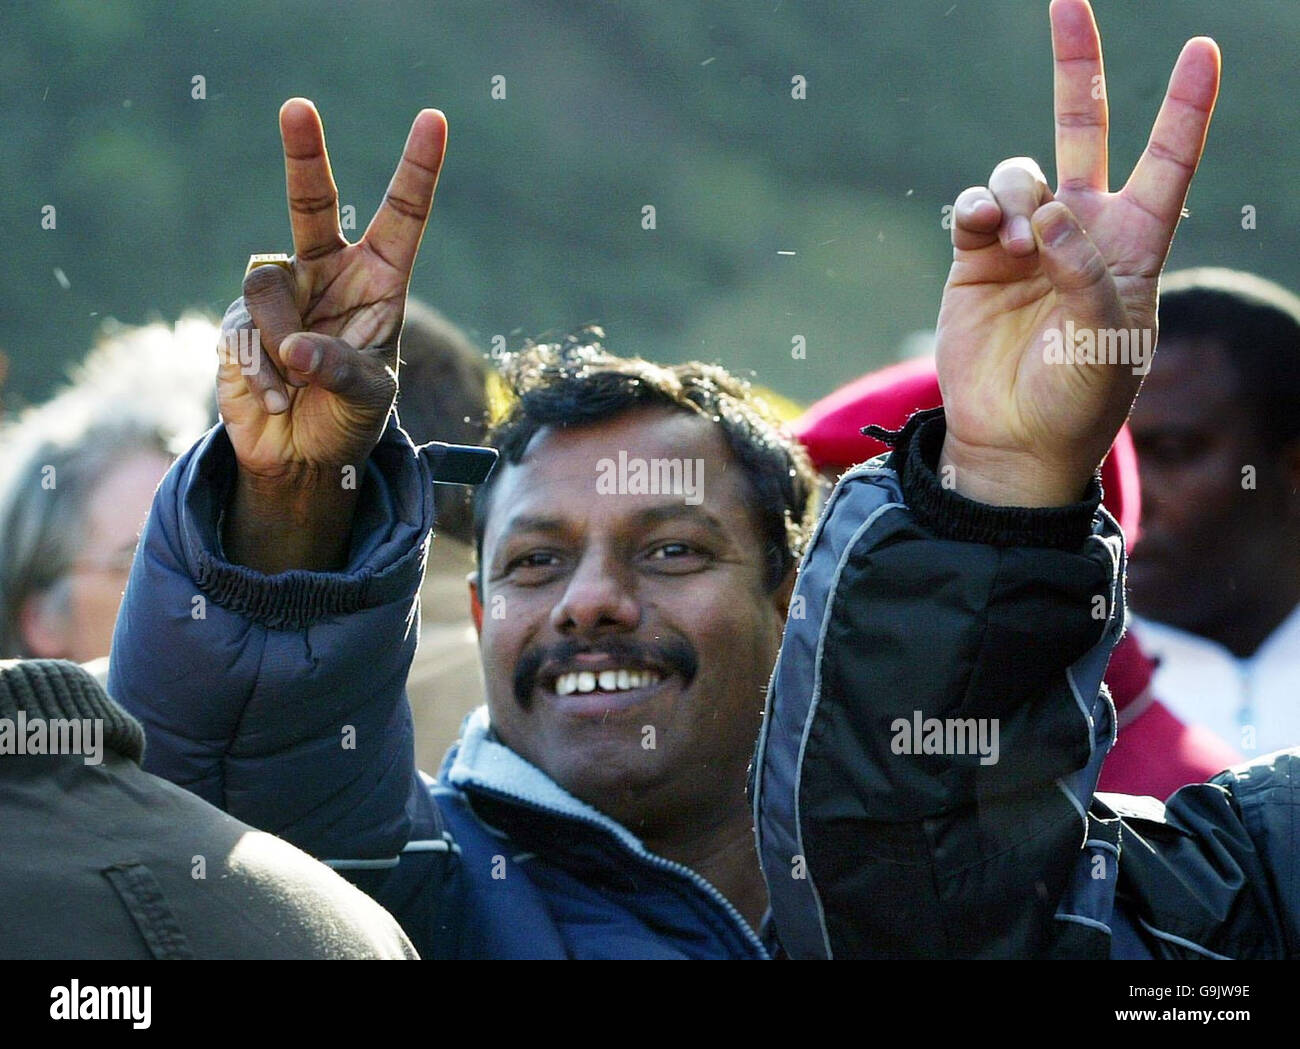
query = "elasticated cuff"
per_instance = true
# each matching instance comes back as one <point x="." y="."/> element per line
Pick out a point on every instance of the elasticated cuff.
<point x="391" y="533"/>
<point x="952" y="516"/>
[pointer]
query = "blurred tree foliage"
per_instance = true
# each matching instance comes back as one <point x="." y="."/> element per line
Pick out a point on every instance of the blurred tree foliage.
<point x="685" y="105"/>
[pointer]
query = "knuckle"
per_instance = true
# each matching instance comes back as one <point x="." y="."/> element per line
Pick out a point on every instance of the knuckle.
<point x="256" y="375"/>
<point x="1054" y="211"/>
<point x="1091" y="269"/>
<point x="407" y="208"/>
<point x="265" y="282"/>
<point x="309" y="205"/>
<point x="337" y="370"/>
<point x="1017" y="172"/>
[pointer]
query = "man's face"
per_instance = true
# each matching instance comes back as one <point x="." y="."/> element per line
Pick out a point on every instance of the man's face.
<point x="1211" y="531"/>
<point x="627" y="639"/>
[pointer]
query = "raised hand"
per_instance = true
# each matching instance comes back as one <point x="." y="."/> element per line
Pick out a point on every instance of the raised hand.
<point x="315" y="399"/>
<point x="321" y="398"/>
<point x="1024" y="428"/>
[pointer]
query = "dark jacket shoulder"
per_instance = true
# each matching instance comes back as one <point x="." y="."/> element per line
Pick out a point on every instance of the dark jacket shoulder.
<point x="103" y="860"/>
<point x="1212" y="873"/>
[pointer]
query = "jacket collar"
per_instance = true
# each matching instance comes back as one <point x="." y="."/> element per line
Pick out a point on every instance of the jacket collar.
<point x="480" y="762"/>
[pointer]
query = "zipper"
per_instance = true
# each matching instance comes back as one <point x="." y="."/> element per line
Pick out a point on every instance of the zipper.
<point x="644" y="855"/>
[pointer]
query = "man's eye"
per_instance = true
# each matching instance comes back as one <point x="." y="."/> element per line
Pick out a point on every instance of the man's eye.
<point x="1174" y="450"/>
<point x="532" y="562"/>
<point x="677" y="557"/>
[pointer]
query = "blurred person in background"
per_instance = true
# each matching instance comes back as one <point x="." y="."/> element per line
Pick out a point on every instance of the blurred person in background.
<point x="1215" y="575"/>
<point x="443" y="397"/>
<point x="77" y="475"/>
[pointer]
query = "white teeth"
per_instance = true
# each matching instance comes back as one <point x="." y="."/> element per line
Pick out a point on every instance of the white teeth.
<point x="607" y="681"/>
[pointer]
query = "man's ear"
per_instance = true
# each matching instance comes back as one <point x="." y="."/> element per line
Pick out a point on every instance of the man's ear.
<point x="475" y="602"/>
<point x="43" y="628"/>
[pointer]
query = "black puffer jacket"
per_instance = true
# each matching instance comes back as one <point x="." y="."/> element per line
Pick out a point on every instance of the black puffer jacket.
<point x="99" y="859"/>
<point x="920" y="608"/>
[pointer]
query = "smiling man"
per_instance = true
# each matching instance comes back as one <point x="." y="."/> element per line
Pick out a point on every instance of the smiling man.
<point x="614" y="620"/>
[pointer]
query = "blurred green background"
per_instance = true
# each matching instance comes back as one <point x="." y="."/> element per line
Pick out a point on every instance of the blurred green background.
<point x="681" y="104"/>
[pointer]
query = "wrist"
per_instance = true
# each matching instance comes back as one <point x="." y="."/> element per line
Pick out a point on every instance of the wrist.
<point x="297" y="518"/>
<point x="1003" y="478"/>
<point x="948" y="514"/>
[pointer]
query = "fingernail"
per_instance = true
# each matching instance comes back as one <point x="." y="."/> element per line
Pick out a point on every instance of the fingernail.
<point x="303" y="357"/>
<point x="1058" y="231"/>
<point x="275" y="402"/>
<point x="1021" y="230"/>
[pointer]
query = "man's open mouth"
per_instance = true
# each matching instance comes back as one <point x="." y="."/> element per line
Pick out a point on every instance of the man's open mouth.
<point x="618" y="675"/>
<point x="601" y="686"/>
<point x="621" y="679"/>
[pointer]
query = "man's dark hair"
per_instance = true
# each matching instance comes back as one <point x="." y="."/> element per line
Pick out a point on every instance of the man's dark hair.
<point x="1258" y="324"/>
<point x="442" y="397"/>
<point x="577" y="382"/>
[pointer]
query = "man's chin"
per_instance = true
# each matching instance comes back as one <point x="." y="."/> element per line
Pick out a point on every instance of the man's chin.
<point x="598" y="753"/>
<point x="609" y="775"/>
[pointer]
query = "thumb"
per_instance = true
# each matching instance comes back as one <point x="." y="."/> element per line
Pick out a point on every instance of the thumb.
<point x="335" y="365"/>
<point x="1075" y="267"/>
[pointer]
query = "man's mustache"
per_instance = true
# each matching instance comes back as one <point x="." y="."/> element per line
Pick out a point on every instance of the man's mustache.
<point x="676" y="655"/>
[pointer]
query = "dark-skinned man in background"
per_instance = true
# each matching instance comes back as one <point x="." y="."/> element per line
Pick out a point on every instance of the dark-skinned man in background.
<point x="1216" y="574"/>
<point x="554" y="830"/>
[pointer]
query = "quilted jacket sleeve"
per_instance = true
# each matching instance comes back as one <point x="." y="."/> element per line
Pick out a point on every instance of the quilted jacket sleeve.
<point x="280" y="699"/>
<point x="936" y="722"/>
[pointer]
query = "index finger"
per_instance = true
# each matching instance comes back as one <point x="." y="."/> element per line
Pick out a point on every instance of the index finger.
<point x="394" y="233"/>
<point x="313" y="197"/>
<point x="1159" y="183"/>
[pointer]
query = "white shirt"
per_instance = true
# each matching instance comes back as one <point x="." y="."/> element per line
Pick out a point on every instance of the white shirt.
<point x="1252" y="704"/>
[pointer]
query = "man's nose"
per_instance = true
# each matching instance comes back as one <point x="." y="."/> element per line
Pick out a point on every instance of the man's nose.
<point x="599" y="597"/>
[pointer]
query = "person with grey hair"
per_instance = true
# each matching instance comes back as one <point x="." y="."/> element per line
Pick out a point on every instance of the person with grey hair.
<point x="77" y="474"/>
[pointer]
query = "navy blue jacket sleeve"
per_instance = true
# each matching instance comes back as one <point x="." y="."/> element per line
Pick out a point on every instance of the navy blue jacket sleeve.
<point x="936" y="722"/>
<point x="280" y="699"/>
